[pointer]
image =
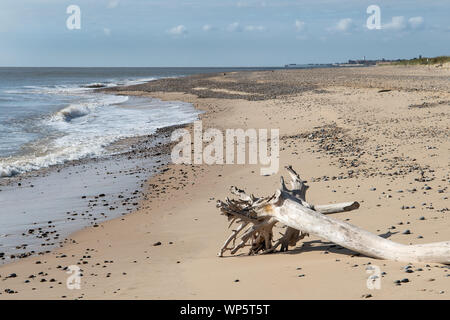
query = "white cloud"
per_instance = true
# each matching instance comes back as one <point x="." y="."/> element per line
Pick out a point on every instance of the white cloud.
<point x="254" y="28"/>
<point x="237" y="27"/>
<point x="397" y="24"/>
<point x="234" y="27"/>
<point x="416" y="22"/>
<point x="254" y="4"/>
<point x="299" y="25"/>
<point x="113" y="3"/>
<point x="344" y="25"/>
<point x="107" y="31"/>
<point x="400" y="23"/>
<point x="207" y="27"/>
<point x="178" y="30"/>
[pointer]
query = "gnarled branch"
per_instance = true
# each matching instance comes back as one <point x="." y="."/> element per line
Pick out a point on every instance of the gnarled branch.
<point x="289" y="207"/>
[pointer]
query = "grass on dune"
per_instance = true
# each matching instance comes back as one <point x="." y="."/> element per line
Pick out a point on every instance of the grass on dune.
<point x="425" y="61"/>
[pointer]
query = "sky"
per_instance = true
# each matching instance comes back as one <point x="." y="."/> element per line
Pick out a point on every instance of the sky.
<point x="227" y="33"/>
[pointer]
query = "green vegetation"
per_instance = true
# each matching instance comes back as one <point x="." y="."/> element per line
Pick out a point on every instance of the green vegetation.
<point x="417" y="61"/>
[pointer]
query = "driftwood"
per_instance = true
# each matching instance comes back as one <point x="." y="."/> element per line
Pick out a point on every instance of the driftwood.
<point x="256" y="217"/>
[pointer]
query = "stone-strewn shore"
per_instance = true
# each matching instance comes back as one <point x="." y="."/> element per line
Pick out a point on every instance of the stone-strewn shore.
<point x="376" y="135"/>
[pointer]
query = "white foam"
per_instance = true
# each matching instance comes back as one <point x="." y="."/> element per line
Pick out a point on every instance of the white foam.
<point x="73" y="111"/>
<point x="78" y="89"/>
<point x="83" y="109"/>
<point x="136" y="81"/>
<point x="8" y="171"/>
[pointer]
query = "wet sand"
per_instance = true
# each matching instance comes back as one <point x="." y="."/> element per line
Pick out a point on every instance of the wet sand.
<point x="376" y="135"/>
<point x="41" y="208"/>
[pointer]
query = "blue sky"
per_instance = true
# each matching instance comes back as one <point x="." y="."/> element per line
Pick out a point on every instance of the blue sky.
<point x="218" y="32"/>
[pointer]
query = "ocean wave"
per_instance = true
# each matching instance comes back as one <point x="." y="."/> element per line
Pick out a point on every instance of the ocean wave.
<point x="9" y="171"/>
<point x="95" y="85"/>
<point x="74" y="89"/>
<point x="104" y="119"/>
<point x="130" y="82"/>
<point x="72" y="112"/>
<point x="54" y="155"/>
<point x="84" y="108"/>
<point x="57" y="89"/>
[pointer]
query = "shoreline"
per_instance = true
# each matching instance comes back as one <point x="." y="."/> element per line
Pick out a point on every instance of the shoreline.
<point x="101" y="188"/>
<point x="180" y="214"/>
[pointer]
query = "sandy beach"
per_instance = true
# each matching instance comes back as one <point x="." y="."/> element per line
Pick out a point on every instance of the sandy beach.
<point x="376" y="135"/>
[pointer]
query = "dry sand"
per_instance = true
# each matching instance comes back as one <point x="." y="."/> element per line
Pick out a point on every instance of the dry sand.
<point x="347" y="139"/>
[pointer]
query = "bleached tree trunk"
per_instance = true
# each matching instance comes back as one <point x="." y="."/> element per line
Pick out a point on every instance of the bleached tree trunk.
<point x="290" y="208"/>
<point x="294" y="215"/>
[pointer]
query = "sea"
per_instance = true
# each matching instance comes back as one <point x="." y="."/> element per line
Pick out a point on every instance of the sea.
<point x="54" y="118"/>
<point x="49" y="116"/>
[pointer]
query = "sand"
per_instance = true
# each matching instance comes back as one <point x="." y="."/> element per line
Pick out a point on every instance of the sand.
<point x="388" y="150"/>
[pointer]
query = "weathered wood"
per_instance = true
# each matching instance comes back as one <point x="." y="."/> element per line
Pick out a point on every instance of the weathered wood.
<point x="337" y="207"/>
<point x="290" y="208"/>
<point x="291" y="213"/>
<point x="232" y="237"/>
